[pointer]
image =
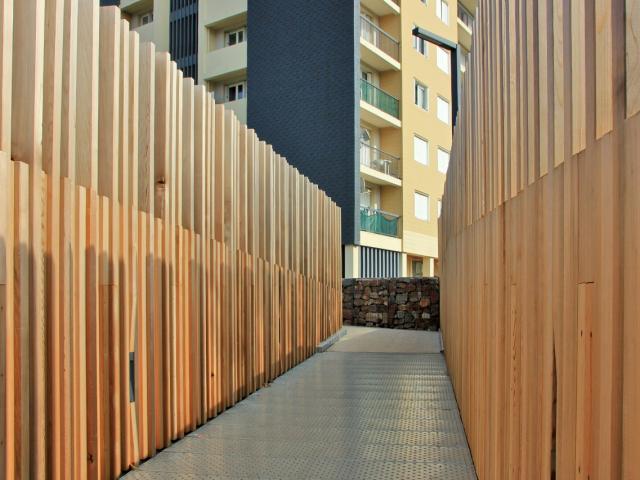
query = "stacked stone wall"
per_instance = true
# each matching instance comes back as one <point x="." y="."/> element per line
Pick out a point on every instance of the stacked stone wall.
<point x="403" y="303"/>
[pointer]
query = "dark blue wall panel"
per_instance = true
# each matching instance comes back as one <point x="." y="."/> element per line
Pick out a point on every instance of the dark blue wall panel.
<point x="303" y="92"/>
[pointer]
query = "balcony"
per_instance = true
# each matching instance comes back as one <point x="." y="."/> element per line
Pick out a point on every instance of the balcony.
<point x="378" y="221"/>
<point x="379" y="49"/>
<point x="136" y="5"/>
<point x="221" y="13"/>
<point x="379" y="167"/>
<point x="377" y="107"/>
<point x="225" y="62"/>
<point x="382" y="7"/>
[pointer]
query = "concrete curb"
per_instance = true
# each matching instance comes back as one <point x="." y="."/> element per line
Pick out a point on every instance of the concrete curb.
<point x="326" y="345"/>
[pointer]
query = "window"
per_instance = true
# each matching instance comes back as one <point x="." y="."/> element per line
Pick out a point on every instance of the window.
<point x="442" y="11"/>
<point x="236" y="36"/>
<point x="421" y="96"/>
<point x="421" y="206"/>
<point x="443" y="160"/>
<point x="420" y="150"/>
<point x="416" y="268"/>
<point x="443" y="110"/>
<point x="439" y="208"/>
<point x="146" y="18"/>
<point x="236" y="91"/>
<point x="420" y="45"/>
<point x="443" y="59"/>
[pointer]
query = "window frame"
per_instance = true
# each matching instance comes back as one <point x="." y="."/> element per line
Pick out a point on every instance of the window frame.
<point x="427" y="160"/>
<point x="416" y="195"/>
<point x="443" y="150"/>
<point x="442" y="99"/>
<point x="439" y="4"/>
<point x="447" y="60"/>
<point x="416" y="85"/>
<point x="240" y="30"/>
<point x="235" y="85"/>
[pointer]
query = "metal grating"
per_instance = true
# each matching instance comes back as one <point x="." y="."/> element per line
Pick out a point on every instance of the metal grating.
<point x="337" y="415"/>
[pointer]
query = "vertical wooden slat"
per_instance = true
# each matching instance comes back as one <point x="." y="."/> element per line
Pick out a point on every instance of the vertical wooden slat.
<point x="26" y="146"/>
<point x="632" y="16"/>
<point x="578" y="72"/>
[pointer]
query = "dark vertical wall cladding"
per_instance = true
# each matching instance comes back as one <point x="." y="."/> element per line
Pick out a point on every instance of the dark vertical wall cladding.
<point x="183" y="36"/>
<point x="303" y="59"/>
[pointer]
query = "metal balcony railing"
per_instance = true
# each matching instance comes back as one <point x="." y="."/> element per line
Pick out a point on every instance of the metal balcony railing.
<point x="379" y="161"/>
<point x="379" y="98"/>
<point x="373" y="34"/>
<point x="377" y="221"/>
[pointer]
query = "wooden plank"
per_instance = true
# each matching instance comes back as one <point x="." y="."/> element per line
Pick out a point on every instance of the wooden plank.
<point x="559" y="98"/>
<point x="8" y="394"/>
<point x="579" y="81"/>
<point x="87" y="94"/>
<point x="632" y="16"/>
<point x="109" y="105"/>
<point x="26" y="146"/>
<point x="6" y="50"/>
<point x="604" y="67"/>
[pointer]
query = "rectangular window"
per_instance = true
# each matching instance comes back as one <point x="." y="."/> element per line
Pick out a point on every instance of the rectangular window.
<point x="443" y="59"/>
<point x="146" y="18"/>
<point x="236" y="36"/>
<point x="421" y="96"/>
<point x="443" y="110"/>
<point x="442" y="11"/>
<point x="443" y="160"/>
<point x="236" y="91"/>
<point x="420" y="150"/>
<point x="421" y="206"/>
<point x="439" y="208"/>
<point x="420" y="45"/>
<point x="416" y="267"/>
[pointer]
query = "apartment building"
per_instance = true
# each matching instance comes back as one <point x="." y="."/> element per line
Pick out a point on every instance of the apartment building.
<point x="346" y="93"/>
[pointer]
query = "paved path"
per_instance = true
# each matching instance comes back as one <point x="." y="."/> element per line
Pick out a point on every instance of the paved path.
<point x="362" y="410"/>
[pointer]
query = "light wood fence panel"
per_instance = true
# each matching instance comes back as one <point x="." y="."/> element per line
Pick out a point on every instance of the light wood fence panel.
<point x="540" y="305"/>
<point x="158" y="262"/>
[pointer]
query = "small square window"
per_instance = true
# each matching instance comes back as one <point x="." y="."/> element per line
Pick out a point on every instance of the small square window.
<point x="236" y="91"/>
<point x="235" y="37"/>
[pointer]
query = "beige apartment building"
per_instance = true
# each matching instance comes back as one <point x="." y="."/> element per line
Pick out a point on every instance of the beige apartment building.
<point x="404" y="110"/>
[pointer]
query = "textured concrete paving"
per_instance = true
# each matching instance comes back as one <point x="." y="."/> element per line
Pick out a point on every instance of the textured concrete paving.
<point x="357" y="411"/>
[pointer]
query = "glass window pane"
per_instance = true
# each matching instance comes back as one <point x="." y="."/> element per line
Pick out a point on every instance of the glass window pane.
<point x="443" y="160"/>
<point x="443" y="59"/>
<point x="421" y="150"/>
<point x="421" y="206"/>
<point x="443" y="110"/>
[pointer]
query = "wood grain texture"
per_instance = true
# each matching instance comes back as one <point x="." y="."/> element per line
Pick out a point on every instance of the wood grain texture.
<point x="158" y="261"/>
<point x="538" y="314"/>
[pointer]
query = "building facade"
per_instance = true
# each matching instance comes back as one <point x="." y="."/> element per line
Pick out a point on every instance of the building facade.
<point x="346" y="93"/>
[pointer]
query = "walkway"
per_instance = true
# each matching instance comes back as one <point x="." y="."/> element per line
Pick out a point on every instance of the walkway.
<point x="378" y="404"/>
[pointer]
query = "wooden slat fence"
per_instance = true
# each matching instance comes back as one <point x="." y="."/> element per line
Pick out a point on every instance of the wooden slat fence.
<point x="540" y="241"/>
<point x="158" y="261"/>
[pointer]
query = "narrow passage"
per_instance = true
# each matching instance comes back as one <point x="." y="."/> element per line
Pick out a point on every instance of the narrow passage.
<point x="378" y="404"/>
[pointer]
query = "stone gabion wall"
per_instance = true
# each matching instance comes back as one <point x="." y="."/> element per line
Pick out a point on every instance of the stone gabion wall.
<point x="405" y="303"/>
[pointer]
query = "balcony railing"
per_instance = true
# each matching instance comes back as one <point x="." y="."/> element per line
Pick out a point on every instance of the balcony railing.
<point x="379" y="161"/>
<point x="377" y="221"/>
<point x="373" y="34"/>
<point x="379" y="98"/>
